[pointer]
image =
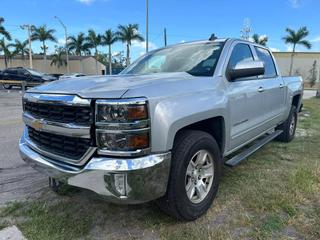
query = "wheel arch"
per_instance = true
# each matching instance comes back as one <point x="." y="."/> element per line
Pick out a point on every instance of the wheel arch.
<point x="215" y="126"/>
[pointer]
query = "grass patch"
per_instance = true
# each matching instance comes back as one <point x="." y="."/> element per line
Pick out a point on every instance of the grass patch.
<point x="43" y="220"/>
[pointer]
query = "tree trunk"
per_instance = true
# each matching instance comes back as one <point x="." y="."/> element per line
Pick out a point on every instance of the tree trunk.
<point x="23" y="60"/>
<point x="96" y="53"/>
<point x="110" y="59"/>
<point x="5" y="62"/>
<point x="291" y="63"/>
<point x="44" y="56"/>
<point x="128" y="55"/>
<point x="81" y="63"/>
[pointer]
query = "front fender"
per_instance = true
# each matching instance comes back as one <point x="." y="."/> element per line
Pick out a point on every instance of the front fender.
<point x="172" y="114"/>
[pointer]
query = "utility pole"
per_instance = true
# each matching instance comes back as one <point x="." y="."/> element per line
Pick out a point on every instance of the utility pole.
<point x="66" y="45"/>
<point x="147" y="26"/>
<point x="246" y="29"/>
<point x="165" y="36"/>
<point x="29" y="29"/>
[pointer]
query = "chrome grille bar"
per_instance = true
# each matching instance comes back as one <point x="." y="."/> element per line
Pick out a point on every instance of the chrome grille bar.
<point x="65" y="129"/>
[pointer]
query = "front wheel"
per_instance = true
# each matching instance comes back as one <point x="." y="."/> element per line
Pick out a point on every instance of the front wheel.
<point x="194" y="178"/>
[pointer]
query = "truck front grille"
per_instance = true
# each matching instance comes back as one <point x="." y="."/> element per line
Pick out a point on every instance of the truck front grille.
<point x="70" y="147"/>
<point x="82" y="115"/>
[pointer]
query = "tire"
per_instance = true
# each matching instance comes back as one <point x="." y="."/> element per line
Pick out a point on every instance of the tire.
<point x="289" y="126"/>
<point x="6" y="86"/>
<point x="176" y="202"/>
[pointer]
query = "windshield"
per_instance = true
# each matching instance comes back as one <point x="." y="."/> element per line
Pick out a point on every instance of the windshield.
<point x="35" y="73"/>
<point x="198" y="59"/>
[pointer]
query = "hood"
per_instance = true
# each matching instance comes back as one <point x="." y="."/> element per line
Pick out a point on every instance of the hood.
<point x="107" y="86"/>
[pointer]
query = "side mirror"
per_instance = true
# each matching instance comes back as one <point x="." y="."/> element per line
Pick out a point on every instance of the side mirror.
<point x="246" y="69"/>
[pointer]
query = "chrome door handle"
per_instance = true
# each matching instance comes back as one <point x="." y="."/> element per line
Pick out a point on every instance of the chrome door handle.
<point x="261" y="89"/>
<point x="281" y="86"/>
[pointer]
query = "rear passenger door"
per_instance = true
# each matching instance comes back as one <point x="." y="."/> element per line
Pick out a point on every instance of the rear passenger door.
<point x="273" y="89"/>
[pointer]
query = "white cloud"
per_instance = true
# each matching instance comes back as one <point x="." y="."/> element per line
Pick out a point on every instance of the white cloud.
<point x="87" y="2"/>
<point x="182" y="41"/>
<point x="295" y="3"/>
<point x="142" y="45"/>
<point x="274" y="49"/>
<point x="316" y="39"/>
<point x="62" y="41"/>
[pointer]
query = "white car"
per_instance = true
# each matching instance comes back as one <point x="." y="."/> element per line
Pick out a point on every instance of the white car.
<point x="72" y="75"/>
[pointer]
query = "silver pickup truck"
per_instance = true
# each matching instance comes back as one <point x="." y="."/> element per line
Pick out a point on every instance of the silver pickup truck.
<point x="163" y="128"/>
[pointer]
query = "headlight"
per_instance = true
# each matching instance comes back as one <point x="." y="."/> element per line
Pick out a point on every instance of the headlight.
<point x="114" y="112"/>
<point x="122" y="127"/>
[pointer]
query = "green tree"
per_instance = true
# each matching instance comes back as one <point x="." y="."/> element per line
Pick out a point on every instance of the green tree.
<point x="21" y="48"/>
<point x="94" y="41"/>
<point x="127" y="34"/>
<point x="296" y="38"/>
<point x="262" y="39"/>
<point x="108" y="39"/>
<point x="7" y="53"/>
<point x="80" y="46"/>
<point x="313" y="74"/>
<point x="3" y="31"/>
<point x="43" y="35"/>
<point x="59" y="58"/>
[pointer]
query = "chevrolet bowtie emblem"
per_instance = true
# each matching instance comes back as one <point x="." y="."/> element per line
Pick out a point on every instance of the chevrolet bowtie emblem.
<point x="37" y="125"/>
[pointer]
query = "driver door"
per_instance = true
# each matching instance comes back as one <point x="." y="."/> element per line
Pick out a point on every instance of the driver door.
<point x="245" y="101"/>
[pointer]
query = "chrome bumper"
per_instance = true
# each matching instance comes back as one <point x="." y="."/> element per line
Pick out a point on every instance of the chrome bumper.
<point x="120" y="180"/>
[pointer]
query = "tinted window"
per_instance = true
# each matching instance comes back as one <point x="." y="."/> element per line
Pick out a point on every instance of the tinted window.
<point x="21" y="72"/>
<point x="241" y="52"/>
<point x="265" y="56"/>
<point x="11" y="71"/>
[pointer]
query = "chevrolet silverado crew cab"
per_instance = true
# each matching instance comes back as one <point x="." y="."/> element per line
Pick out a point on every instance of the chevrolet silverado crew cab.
<point x="162" y="129"/>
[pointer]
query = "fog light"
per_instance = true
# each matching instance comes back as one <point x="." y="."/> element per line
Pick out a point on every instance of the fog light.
<point x="120" y="183"/>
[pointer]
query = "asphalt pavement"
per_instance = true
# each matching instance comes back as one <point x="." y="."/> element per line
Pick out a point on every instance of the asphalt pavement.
<point x="17" y="180"/>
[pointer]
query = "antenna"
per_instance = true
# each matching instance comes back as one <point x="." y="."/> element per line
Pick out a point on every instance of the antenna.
<point x="212" y="37"/>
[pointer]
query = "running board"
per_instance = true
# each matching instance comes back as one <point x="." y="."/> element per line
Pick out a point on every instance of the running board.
<point x="246" y="153"/>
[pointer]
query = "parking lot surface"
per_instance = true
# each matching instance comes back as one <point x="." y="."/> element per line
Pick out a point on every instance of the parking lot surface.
<point x="17" y="180"/>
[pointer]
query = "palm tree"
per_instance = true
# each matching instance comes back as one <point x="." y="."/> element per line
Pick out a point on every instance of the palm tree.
<point x="58" y="58"/>
<point x="296" y="38"/>
<point x="80" y="46"/>
<point x="43" y="34"/>
<point x="127" y="34"/>
<point x="262" y="39"/>
<point x="94" y="41"/>
<point x="5" y="48"/>
<point x="21" y="48"/>
<point x="3" y="31"/>
<point x="108" y="39"/>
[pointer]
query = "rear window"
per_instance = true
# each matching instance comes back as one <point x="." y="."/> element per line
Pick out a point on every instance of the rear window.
<point x="265" y="56"/>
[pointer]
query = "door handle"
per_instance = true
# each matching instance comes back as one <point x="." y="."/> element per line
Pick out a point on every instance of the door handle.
<point x="281" y="86"/>
<point x="261" y="89"/>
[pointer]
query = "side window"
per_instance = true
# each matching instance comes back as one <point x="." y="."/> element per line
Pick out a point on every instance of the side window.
<point x="241" y="52"/>
<point x="265" y="56"/>
<point x="12" y="72"/>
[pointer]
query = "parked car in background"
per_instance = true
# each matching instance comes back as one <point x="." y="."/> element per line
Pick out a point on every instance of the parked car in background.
<point x="162" y="129"/>
<point x="15" y="76"/>
<point x="72" y="75"/>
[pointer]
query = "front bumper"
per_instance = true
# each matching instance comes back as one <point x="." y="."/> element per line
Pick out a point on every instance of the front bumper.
<point x="119" y="180"/>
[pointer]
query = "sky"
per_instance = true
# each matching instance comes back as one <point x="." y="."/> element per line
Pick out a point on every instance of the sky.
<point x="184" y="20"/>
